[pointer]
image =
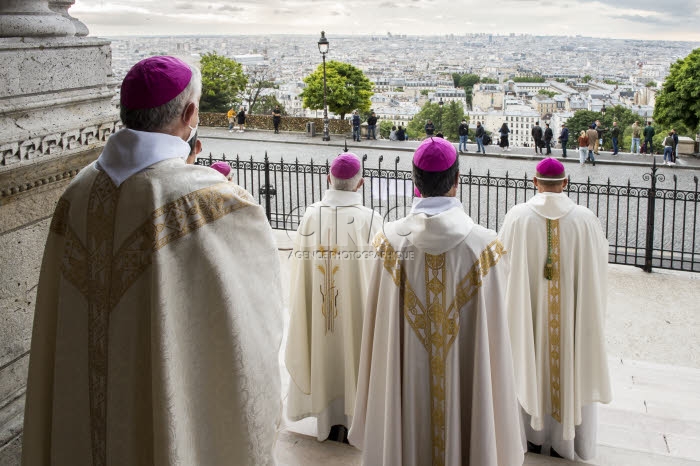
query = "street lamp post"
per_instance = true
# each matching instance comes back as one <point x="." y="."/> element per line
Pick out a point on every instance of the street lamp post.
<point x="323" y="48"/>
<point x="440" y="103"/>
<point x="602" y="110"/>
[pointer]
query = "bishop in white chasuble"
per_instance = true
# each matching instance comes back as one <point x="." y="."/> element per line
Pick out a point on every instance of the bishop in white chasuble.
<point x="556" y="299"/>
<point x="436" y="380"/>
<point x="330" y="269"/>
<point x="158" y="317"/>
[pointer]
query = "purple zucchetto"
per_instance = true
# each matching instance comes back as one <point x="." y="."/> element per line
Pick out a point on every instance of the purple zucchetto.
<point x="222" y="167"/>
<point x="435" y="155"/>
<point x="154" y="81"/>
<point x="345" y="166"/>
<point x="550" y="169"/>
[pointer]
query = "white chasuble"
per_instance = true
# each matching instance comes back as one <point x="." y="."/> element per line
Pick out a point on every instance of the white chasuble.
<point x="556" y="298"/>
<point x="157" y="325"/>
<point x="436" y="376"/>
<point x="330" y="268"/>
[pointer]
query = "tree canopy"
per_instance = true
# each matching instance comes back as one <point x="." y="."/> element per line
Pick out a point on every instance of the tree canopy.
<point x="466" y="81"/>
<point x="347" y="89"/>
<point x="446" y="120"/>
<point x="259" y="78"/>
<point x="222" y="82"/>
<point x="679" y="99"/>
<point x="529" y="79"/>
<point x="265" y="104"/>
<point x="582" y="119"/>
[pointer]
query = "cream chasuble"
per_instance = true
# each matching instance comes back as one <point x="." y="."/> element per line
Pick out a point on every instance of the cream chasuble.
<point x="436" y="376"/>
<point x="557" y="325"/>
<point x="157" y="325"/>
<point x="330" y="268"/>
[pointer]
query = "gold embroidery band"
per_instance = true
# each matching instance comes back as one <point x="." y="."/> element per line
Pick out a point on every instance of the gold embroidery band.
<point x="103" y="276"/>
<point x="101" y="216"/>
<point x="554" y="320"/>
<point x="389" y="257"/>
<point x="60" y="217"/>
<point x="437" y="328"/>
<point x="329" y="293"/>
<point x="171" y="222"/>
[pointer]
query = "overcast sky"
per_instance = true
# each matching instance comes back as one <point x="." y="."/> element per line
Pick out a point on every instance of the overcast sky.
<point x="639" y="19"/>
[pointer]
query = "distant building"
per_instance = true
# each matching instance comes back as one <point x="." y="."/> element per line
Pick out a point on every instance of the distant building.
<point x="520" y="120"/>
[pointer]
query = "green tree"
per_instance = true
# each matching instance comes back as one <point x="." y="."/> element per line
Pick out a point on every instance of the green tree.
<point x="347" y="89"/>
<point x="651" y="84"/>
<point x="581" y="120"/>
<point x="528" y="79"/>
<point x="446" y="119"/>
<point x="424" y="92"/>
<point x="265" y="104"/>
<point x="586" y="78"/>
<point x="456" y="77"/>
<point x="259" y="78"/>
<point x="222" y="82"/>
<point x="678" y="103"/>
<point x="489" y="81"/>
<point x="467" y="81"/>
<point x="549" y="94"/>
<point x="385" y="128"/>
<point x="560" y="80"/>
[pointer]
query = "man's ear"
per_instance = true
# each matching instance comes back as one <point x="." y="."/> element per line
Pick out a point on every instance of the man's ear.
<point x="564" y="183"/>
<point x="457" y="179"/>
<point x="188" y="113"/>
<point x="360" y="183"/>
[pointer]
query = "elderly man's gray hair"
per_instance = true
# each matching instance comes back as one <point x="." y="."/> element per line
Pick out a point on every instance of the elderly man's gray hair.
<point x="161" y="118"/>
<point x="346" y="185"/>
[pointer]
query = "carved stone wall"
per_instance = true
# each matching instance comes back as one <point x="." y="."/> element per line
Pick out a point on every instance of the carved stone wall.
<point x="56" y="112"/>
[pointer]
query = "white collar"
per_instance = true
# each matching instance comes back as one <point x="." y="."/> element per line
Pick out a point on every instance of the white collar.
<point x="334" y="197"/>
<point x="127" y="152"/>
<point x="434" y="205"/>
<point x="551" y="205"/>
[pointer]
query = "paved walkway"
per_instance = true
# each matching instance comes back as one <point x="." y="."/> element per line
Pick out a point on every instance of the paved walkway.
<point x="652" y="328"/>
<point x="520" y="153"/>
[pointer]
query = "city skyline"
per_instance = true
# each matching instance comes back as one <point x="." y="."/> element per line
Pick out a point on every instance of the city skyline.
<point x="674" y="20"/>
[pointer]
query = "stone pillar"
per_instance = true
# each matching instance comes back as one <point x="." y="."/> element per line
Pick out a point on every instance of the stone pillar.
<point x="32" y="18"/>
<point x="56" y="112"/>
<point x="61" y="7"/>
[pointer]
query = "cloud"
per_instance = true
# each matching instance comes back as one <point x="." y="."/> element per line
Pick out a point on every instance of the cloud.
<point x="608" y="18"/>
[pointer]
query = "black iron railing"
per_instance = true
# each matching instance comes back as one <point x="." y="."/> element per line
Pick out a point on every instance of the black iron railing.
<point x="646" y="226"/>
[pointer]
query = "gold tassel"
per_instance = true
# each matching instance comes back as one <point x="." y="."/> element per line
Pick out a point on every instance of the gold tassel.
<point x="548" y="270"/>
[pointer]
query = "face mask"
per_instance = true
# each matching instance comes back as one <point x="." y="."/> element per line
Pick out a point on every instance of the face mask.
<point x="193" y="132"/>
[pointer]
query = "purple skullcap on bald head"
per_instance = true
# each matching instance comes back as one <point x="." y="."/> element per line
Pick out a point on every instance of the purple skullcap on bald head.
<point x="154" y="81"/>
<point x="435" y="155"/>
<point x="550" y="169"/>
<point x="345" y="166"/>
<point x="222" y="167"/>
